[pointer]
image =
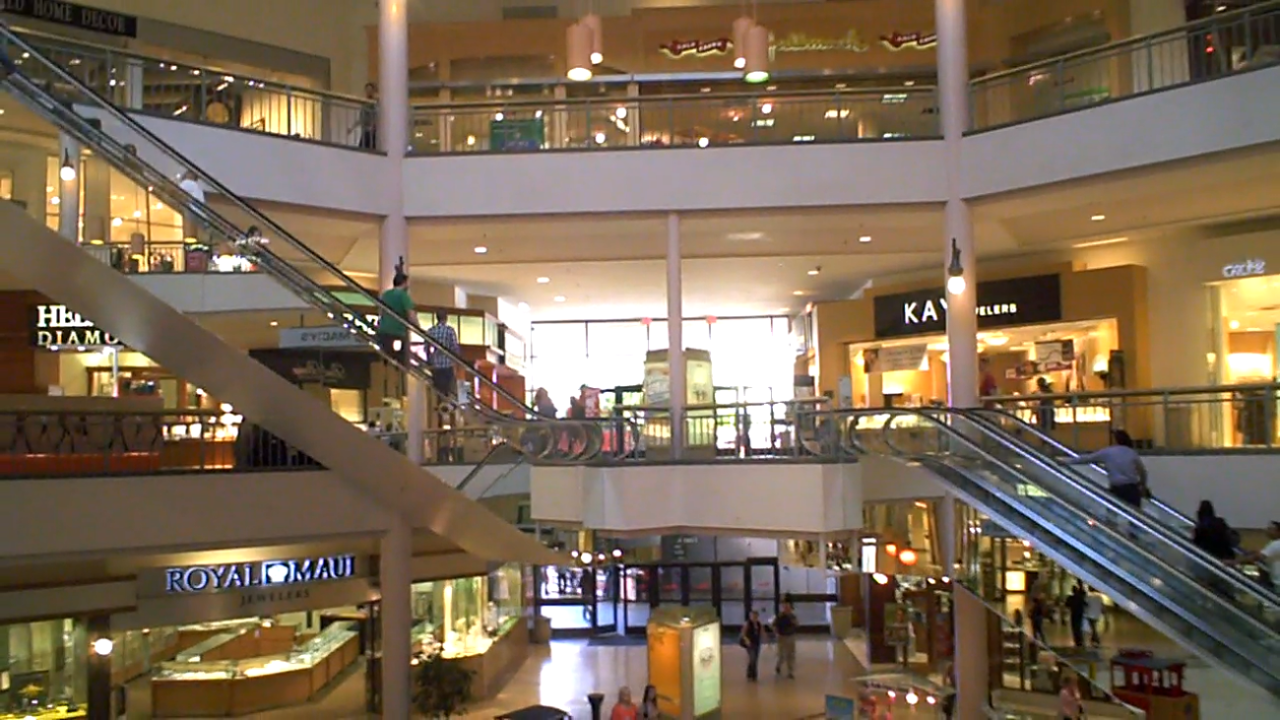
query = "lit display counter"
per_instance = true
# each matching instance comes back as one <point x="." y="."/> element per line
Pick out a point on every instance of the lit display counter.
<point x="478" y="622"/>
<point x="57" y="712"/>
<point x="198" y="683"/>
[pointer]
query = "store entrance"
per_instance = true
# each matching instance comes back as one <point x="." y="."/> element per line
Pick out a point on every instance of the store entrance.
<point x="731" y="589"/>
<point x="1246" y="323"/>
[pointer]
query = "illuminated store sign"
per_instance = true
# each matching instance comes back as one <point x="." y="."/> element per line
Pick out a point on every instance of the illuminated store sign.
<point x="54" y="326"/>
<point x="1001" y="303"/>
<point x="697" y="48"/>
<point x="1248" y="268"/>
<point x="73" y="15"/>
<point x="800" y="42"/>
<point x="266" y="574"/>
<point x="328" y="336"/>
<point x="912" y="40"/>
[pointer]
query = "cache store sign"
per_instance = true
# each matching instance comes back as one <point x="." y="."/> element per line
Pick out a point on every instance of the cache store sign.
<point x="1248" y="268"/>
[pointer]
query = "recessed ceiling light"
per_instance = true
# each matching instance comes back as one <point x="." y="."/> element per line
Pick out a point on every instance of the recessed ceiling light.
<point x="273" y="323"/>
<point x="480" y="249"/>
<point x="864" y="239"/>
<point x="558" y="298"/>
<point x="798" y="293"/>
<point x="1098" y="218"/>
<point x="544" y="280"/>
<point x="1234" y="324"/>
<point x="1096" y="243"/>
<point x="814" y="271"/>
<point x="1253" y="329"/>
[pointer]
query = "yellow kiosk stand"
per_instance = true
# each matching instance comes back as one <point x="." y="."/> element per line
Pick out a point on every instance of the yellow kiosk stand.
<point x="684" y="661"/>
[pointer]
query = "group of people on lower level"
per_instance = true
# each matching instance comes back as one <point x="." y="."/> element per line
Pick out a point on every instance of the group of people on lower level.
<point x="783" y="629"/>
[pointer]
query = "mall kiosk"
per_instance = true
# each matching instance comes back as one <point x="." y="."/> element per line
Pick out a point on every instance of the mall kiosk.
<point x="1153" y="685"/>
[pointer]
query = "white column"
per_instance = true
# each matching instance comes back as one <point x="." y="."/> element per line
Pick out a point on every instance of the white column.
<point x="133" y="84"/>
<point x="946" y="527"/>
<point x="395" y="579"/>
<point x="675" y="336"/>
<point x="953" y="91"/>
<point x="393" y="138"/>
<point x="972" y="659"/>
<point x="69" y="190"/>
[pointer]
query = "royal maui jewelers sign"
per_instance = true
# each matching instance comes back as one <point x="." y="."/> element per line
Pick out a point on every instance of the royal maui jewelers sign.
<point x="265" y="574"/>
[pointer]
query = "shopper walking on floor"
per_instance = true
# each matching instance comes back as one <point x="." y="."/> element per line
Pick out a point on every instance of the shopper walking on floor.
<point x="1093" y="615"/>
<point x="785" y="627"/>
<point x="751" y="639"/>
<point x="1076" y="602"/>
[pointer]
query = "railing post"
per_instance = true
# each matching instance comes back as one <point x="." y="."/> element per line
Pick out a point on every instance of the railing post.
<point x="1164" y="421"/>
<point x="1151" y="66"/>
<point x="288" y="112"/>
<point x="1059" y="74"/>
<point x="202" y="100"/>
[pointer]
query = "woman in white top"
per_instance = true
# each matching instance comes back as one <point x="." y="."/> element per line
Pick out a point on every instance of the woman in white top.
<point x="1269" y="555"/>
<point x="190" y="184"/>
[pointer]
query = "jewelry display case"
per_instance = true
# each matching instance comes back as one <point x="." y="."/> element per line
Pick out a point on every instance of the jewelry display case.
<point x="194" y="685"/>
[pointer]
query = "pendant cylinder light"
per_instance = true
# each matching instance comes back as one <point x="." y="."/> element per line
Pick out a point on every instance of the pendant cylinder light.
<point x="741" y="27"/>
<point x="592" y="22"/>
<point x="578" y="52"/>
<point x="756" y="54"/>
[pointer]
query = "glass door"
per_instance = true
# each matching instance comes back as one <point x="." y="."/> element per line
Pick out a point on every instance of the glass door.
<point x="639" y="596"/>
<point x="762" y="586"/>
<point x="733" y="595"/>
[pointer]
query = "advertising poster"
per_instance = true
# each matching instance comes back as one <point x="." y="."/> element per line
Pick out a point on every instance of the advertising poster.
<point x="1055" y="355"/>
<point x="901" y="357"/>
<point x="664" y="668"/>
<point x="839" y="708"/>
<point x="706" y="669"/>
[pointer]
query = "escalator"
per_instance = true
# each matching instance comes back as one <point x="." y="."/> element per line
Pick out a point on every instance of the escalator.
<point x="58" y="97"/>
<point x="1153" y="574"/>
<point x="1035" y="441"/>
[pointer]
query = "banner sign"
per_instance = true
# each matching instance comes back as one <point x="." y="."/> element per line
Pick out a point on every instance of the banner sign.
<point x="73" y="15"/>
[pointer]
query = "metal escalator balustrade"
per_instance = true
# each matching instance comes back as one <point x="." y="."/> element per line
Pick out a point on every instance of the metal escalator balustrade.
<point x="65" y="101"/>
<point x="1164" y="587"/>
<point x="1034" y="440"/>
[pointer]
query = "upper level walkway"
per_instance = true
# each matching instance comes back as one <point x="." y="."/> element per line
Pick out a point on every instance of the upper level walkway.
<point x="1078" y="116"/>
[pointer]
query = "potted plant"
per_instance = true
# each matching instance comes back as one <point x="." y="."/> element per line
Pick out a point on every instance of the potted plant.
<point x="442" y="687"/>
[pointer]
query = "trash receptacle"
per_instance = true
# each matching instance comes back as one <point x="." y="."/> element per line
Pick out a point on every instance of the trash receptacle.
<point x="541" y="634"/>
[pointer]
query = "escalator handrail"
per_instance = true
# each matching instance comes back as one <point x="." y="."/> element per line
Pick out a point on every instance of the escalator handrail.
<point x="240" y="204"/>
<point x="484" y="462"/>
<point x="1266" y="596"/>
<point x="1109" y="503"/>
<point x="956" y="435"/>
<point x="983" y="415"/>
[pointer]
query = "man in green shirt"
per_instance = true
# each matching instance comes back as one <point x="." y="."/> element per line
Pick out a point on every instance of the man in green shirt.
<point x="393" y="335"/>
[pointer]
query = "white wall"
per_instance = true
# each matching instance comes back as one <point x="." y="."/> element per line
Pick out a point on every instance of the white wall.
<point x="1242" y="488"/>
<point x="871" y="173"/>
<point x="47" y="519"/>
<point x="220" y="292"/>
<point x="258" y="166"/>
<point x="1226" y="114"/>
<point x="749" y="498"/>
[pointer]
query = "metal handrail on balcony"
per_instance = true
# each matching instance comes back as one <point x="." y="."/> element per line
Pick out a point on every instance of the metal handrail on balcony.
<point x="662" y="121"/>
<point x="211" y="96"/>
<point x="1227" y="43"/>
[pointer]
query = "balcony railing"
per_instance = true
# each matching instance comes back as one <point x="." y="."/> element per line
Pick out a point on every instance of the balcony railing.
<point x="78" y="444"/>
<point x="1222" y="45"/>
<point x="209" y="96"/>
<point x="693" y="121"/>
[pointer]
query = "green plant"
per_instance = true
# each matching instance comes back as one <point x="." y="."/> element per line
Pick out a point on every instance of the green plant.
<point x="443" y="687"/>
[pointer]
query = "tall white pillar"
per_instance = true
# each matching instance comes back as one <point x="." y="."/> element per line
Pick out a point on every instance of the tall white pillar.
<point x="675" y="336"/>
<point x="393" y="138"/>
<point x="69" y="190"/>
<point x="133" y="84"/>
<point x="395" y="578"/>
<point x="972" y="661"/>
<point x="953" y="92"/>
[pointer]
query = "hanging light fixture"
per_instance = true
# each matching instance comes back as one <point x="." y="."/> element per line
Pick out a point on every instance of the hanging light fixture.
<point x="955" y="272"/>
<point x="592" y="22"/>
<point x="68" y="171"/>
<point x="756" y="54"/>
<point x="741" y="27"/>
<point x="578" y="46"/>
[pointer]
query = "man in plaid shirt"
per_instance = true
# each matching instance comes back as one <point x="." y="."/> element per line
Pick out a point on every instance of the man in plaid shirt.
<point x="442" y="370"/>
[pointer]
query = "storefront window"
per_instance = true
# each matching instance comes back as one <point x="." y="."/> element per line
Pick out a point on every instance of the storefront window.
<point x="1246" y="327"/>
<point x="465" y="616"/>
<point x="44" y="666"/>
